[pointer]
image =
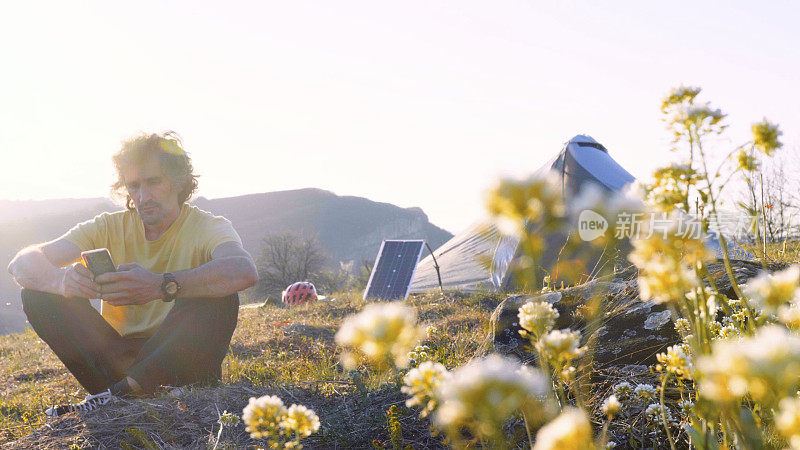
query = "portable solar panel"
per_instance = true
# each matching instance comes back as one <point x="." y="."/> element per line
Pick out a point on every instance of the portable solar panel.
<point x="394" y="268"/>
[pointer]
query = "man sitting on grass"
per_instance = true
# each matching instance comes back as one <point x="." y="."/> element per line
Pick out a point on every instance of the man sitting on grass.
<point x="169" y="311"/>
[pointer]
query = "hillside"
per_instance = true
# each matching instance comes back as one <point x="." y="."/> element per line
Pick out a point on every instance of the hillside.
<point x="348" y="228"/>
<point x="291" y="353"/>
<point x="277" y="351"/>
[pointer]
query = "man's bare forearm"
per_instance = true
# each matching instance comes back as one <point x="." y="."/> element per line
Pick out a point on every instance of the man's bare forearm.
<point x="32" y="270"/>
<point x="218" y="277"/>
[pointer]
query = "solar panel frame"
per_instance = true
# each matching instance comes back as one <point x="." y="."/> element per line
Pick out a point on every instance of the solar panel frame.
<point x="380" y="292"/>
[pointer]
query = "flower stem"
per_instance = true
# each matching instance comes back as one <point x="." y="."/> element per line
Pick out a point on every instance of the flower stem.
<point x="219" y="435"/>
<point x="723" y="243"/>
<point x="527" y="428"/>
<point x="664" y="413"/>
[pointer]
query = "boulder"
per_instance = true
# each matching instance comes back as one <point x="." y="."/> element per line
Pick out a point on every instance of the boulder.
<point x="742" y="271"/>
<point x="630" y="331"/>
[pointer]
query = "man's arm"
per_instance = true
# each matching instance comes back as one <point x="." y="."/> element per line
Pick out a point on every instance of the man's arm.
<point x="41" y="267"/>
<point x="230" y="270"/>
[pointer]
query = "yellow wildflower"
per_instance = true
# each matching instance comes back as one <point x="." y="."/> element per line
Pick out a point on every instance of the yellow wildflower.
<point x="787" y="421"/>
<point x="766" y="366"/>
<point x="679" y="95"/>
<point x="747" y="161"/>
<point x="421" y="384"/>
<point x="561" y="345"/>
<point x="653" y="413"/>
<point x="484" y="393"/>
<point x="670" y="187"/>
<point x="765" y="136"/>
<point x="771" y="291"/>
<point x="569" y="431"/>
<point x="664" y="261"/>
<point x="263" y="415"/>
<point x="536" y="318"/>
<point x="676" y="360"/>
<point x="623" y="390"/>
<point x="789" y="315"/>
<point x="698" y="116"/>
<point x="559" y="348"/>
<point x="611" y="406"/>
<point x="530" y="210"/>
<point x="683" y="328"/>
<point x="228" y="419"/>
<point x="382" y="334"/>
<point x="538" y="199"/>
<point x="645" y="391"/>
<point x="299" y="422"/>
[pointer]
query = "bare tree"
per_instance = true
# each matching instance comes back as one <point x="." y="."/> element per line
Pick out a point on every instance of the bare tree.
<point x="284" y="259"/>
<point x="328" y="281"/>
<point x="777" y="212"/>
<point x="362" y="277"/>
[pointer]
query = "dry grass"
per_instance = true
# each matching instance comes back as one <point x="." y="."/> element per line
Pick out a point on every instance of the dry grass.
<point x="278" y="351"/>
<point x="189" y="420"/>
<point x="32" y="378"/>
<point x="784" y="252"/>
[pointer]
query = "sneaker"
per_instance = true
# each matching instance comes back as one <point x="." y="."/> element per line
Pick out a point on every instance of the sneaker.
<point x="90" y="403"/>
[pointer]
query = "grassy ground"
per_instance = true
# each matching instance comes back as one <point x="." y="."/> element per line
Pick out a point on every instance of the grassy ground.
<point x="787" y="252"/>
<point x="285" y="352"/>
<point x="289" y="353"/>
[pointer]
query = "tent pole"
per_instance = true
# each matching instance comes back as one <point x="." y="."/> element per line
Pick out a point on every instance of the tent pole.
<point x="435" y="266"/>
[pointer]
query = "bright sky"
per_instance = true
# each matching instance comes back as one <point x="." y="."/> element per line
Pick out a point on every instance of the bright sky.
<point x="417" y="103"/>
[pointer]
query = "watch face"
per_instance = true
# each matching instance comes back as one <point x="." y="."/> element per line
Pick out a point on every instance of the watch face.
<point x="171" y="288"/>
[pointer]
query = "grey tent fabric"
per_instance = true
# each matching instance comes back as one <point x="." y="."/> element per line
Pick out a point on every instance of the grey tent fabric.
<point x="463" y="261"/>
<point x="582" y="162"/>
<point x="477" y="259"/>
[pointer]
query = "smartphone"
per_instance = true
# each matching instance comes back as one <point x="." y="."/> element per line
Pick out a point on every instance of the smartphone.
<point x="98" y="261"/>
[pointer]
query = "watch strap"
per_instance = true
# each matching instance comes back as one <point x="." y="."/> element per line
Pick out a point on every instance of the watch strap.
<point x="169" y="278"/>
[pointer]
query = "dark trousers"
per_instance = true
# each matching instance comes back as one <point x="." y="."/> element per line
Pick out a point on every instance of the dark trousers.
<point x="188" y="347"/>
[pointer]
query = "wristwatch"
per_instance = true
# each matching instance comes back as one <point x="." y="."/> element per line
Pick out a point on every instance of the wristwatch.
<point x="169" y="287"/>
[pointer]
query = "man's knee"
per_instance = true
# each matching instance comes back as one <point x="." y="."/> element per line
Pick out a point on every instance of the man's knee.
<point x="219" y="307"/>
<point x="214" y="301"/>
<point x="34" y="302"/>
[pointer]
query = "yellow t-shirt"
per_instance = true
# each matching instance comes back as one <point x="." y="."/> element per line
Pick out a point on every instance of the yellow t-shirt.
<point x="187" y="243"/>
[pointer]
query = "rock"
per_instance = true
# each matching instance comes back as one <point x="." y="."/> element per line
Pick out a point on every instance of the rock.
<point x="657" y="319"/>
<point x="742" y="271"/>
<point x="631" y="332"/>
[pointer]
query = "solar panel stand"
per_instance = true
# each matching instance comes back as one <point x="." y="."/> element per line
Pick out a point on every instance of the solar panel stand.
<point x="435" y="266"/>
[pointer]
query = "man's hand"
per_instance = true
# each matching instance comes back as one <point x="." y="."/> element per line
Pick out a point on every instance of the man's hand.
<point x="131" y="284"/>
<point x="78" y="281"/>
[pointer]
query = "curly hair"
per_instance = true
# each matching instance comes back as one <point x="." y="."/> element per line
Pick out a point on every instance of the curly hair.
<point x="176" y="163"/>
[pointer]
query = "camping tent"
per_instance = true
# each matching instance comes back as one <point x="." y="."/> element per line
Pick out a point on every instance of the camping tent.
<point x="477" y="259"/>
